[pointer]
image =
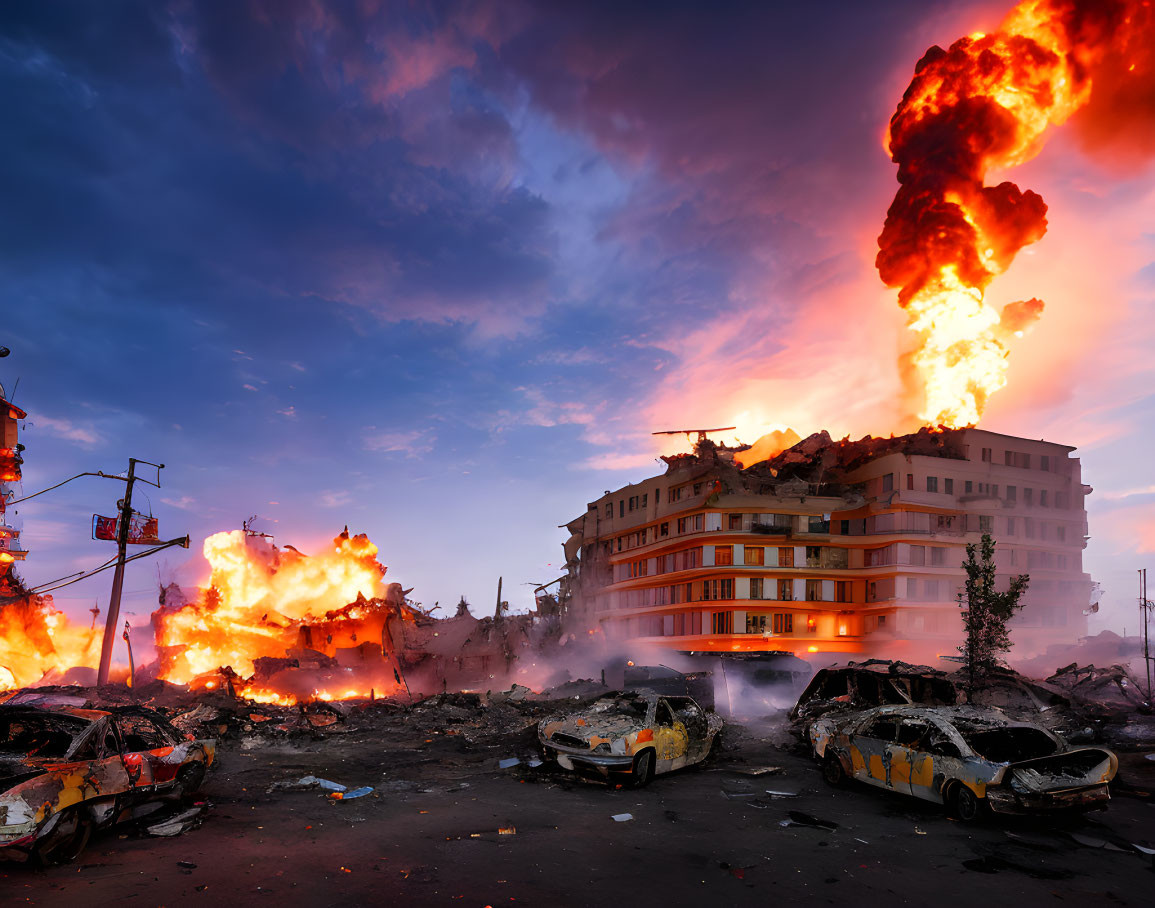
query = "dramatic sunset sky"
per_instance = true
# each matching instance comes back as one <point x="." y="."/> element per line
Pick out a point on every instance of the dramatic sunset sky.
<point x="437" y="271"/>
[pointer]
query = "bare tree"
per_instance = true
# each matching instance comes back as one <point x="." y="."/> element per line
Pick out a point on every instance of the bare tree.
<point x="985" y="610"/>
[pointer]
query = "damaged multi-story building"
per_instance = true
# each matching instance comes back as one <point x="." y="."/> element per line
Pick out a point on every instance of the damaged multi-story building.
<point x="831" y="546"/>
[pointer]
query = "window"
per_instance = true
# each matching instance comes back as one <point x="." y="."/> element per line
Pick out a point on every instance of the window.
<point x="786" y="590"/>
<point x="918" y="554"/>
<point x="1012" y="493"/>
<point x="1017" y="459"/>
<point x="698" y="488"/>
<point x="932" y="483"/>
<point x="937" y="555"/>
<point x="911" y="588"/>
<point x="968" y="487"/>
<point x="888" y="482"/>
<point x="783" y="623"/>
<point x="842" y="590"/>
<point x="633" y="502"/>
<point x="931" y="590"/>
<point x="756" y="588"/>
<point x="717" y="589"/>
<point x="1062" y="532"/>
<point x="622" y="508"/>
<point x="811" y="624"/>
<point x="1042" y="498"/>
<point x="813" y="555"/>
<point x="645" y="500"/>
<point x="756" y="623"/>
<point x="818" y="525"/>
<point x="785" y="556"/>
<point x="754" y="554"/>
<point x="1028" y="496"/>
<point x="723" y="554"/>
<point x="984" y="523"/>
<point x="722" y="622"/>
<point x="664" y="529"/>
<point x="872" y="591"/>
<point x="986" y="455"/>
<point x="948" y="486"/>
<point x="609" y="510"/>
<point x="735" y="522"/>
<point x="813" y="590"/>
<point x="844" y="527"/>
<point x="1010" y="526"/>
<point x="910" y="482"/>
<point x="881" y="620"/>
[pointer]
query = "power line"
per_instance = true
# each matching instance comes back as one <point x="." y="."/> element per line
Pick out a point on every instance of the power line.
<point x="70" y="579"/>
<point x="59" y="484"/>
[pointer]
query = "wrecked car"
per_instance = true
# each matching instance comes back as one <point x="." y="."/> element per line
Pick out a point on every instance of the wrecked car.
<point x="65" y="772"/>
<point x="968" y="759"/>
<point x="633" y="735"/>
<point x="875" y="682"/>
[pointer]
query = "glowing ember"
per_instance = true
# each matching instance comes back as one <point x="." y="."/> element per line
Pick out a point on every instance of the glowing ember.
<point x="984" y="103"/>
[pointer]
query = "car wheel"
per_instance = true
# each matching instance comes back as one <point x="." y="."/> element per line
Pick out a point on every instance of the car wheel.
<point x="66" y="841"/>
<point x="964" y="804"/>
<point x="189" y="779"/>
<point x="832" y="771"/>
<point x="643" y="770"/>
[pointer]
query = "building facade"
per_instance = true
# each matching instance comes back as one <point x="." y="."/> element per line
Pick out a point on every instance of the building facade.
<point x="11" y="550"/>
<point x="832" y="547"/>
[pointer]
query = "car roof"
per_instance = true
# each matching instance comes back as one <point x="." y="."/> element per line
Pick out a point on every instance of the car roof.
<point x="88" y="715"/>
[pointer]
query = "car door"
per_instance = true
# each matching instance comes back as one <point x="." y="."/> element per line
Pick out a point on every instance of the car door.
<point x="670" y="738"/>
<point x="138" y="738"/>
<point x="870" y="750"/>
<point x="909" y="766"/>
<point x="693" y="719"/>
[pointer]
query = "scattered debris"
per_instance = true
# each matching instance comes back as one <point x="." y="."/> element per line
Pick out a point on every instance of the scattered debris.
<point x="798" y="818"/>
<point x="350" y="795"/>
<point x="622" y="817"/>
<point x="182" y="822"/>
<point x="507" y="830"/>
<point x="508" y="763"/>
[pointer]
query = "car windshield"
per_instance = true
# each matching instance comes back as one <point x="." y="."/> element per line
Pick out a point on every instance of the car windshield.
<point x="32" y="735"/>
<point x="1008" y="745"/>
<point x="634" y="707"/>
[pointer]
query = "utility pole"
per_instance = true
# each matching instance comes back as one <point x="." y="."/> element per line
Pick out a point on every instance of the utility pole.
<point x="1145" y="606"/>
<point x="113" y="616"/>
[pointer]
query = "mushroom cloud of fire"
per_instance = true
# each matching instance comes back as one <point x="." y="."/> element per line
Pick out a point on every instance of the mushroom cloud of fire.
<point x="986" y="103"/>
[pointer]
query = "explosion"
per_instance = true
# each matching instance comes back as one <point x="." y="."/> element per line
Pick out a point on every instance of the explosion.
<point x="262" y="602"/>
<point x="985" y="103"/>
<point x="37" y="640"/>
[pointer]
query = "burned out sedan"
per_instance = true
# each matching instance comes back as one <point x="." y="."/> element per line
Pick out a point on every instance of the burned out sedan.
<point x="65" y="772"/>
<point x="633" y="735"/>
<point x="965" y="758"/>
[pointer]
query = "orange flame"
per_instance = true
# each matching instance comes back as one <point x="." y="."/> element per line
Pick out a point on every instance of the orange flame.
<point x="985" y="103"/>
<point x="35" y="638"/>
<point x="258" y="596"/>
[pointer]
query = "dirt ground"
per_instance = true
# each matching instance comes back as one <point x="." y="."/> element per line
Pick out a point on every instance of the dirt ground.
<point x="429" y="835"/>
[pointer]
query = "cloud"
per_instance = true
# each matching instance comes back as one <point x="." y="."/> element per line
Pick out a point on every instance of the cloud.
<point x="414" y="443"/>
<point x="86" y="436"/>
<point x="249" y="387"/>
<point x="334" y="499"/>
<point x="185" y="502"/>
<point x="289" y="412"/>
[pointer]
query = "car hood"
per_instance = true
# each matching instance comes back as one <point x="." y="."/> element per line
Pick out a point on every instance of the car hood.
<point x="603" y="726"/>
<point x="1075" y="768"/>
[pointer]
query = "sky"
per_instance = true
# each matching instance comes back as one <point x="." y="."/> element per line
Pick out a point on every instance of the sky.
<point x="436" y="271"/>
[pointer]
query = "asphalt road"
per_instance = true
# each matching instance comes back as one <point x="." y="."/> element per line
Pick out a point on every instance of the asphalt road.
<point x="429" y="835"/>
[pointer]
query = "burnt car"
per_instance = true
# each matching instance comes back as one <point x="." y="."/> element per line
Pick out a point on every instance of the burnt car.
<point x="661" y="679"/>
<point x="65" y="772"/>
<point x="874" y="682"/>
<point x="967" y="759"/>
<point x="631" y="735"/>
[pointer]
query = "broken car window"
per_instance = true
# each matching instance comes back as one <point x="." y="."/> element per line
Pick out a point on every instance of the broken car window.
<point x="634" y="707"/>
<point x="882" y="728"/>
<point x="140" y="734"/>
<point x="1009" y="745"/>
<point x="664" y="716"/>
<point x="44" y="735"/>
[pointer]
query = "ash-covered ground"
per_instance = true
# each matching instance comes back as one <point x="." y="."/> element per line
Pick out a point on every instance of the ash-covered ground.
<point x="445" y="824"/>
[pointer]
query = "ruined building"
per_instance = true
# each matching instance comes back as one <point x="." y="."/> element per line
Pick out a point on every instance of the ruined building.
<point x="832" y="547"/>
<point x="10" y="549"/>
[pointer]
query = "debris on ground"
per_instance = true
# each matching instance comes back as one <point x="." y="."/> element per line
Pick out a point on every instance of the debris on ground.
<point x="182" y="822"/>
<point x="622" y="817"/>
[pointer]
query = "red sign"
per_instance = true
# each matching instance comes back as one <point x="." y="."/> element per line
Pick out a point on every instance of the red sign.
<point x="142" y="530"/>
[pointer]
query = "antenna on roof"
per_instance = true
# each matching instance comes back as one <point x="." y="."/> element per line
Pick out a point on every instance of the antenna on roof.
<point x="702" y="433"/>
